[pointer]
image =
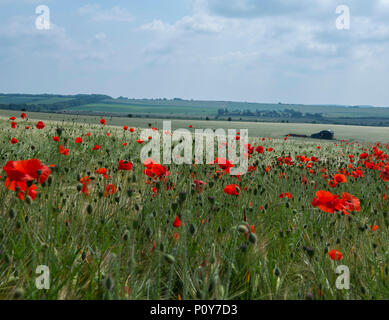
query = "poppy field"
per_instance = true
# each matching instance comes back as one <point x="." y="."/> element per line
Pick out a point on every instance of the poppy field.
<point x="76" y="198"/>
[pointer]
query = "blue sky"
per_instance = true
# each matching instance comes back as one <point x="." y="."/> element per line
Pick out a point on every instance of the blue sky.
<point x="243" y="50"/>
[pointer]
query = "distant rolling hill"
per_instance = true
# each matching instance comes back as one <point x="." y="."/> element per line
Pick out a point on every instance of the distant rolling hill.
<point x="195" y="109"/>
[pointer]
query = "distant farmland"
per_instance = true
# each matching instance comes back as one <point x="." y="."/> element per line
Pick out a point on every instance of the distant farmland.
<point x="202" y="110"/>
<point x="256" y="129"/>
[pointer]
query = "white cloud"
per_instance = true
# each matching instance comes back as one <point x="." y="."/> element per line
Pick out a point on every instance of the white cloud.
<point x="98" y="14"/>
<point x="198" y="23"/>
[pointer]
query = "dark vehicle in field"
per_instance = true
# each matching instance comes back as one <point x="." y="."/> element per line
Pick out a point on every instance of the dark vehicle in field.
<point x="324" y="134"/>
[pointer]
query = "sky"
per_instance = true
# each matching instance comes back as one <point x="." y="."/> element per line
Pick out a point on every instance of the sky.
<point x="288" y="51"/>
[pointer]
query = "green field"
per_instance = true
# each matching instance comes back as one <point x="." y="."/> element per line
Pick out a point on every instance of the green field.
<point x="256" y="129"/>
<point x="195" y="231"/>
<point x="146" y="109"/>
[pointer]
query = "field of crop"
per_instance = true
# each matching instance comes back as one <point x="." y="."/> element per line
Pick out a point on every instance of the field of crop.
<point x="256" y="129"/>
<point x="76" y="198"/>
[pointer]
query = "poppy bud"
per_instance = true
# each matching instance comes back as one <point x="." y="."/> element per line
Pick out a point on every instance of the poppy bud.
<point x="18" y="293"/>
<point x="28" y="200"/>
<point x="89" y="209"/>
<point x="59" y="131"/>
<point x="170" y="259"/>
<point x="277" y="272"/>
<point x="182" y="196"/>
<point x="310" y="251"/>
<point x="174" y="206"/>
<point x="79" y="188"/>
<point x="252" y="238"/>
<point x="108" y="283"/>
<point x="11" y="213"/>
<point x="126" y="235"/>
<point x="242" y="228"/>
<point x="192" y="229"/>
<point x="363" y="290"/>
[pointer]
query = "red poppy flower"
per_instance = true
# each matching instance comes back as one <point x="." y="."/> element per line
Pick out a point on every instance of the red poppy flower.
<point x="232" y="189"/>
<point x="13" y="125"/>
<point x="326" y="201"/>
<point x="363" y="155"/>
<point x="285" y="195"/>
<point x="340" y="178"/>
<point x="40" y="125"/>
<point x="384" y="175"/>
<point x="85" y="182"/>
<point x="335" y="255"/>
<point x="125" y="128"/>
<point x="332" y="183"/>
<point x="224" y="164"/>
<point x="199" y="184"/>
<point x="102" y="171"/>
<point x="260" y="149"/>
<point x="14" y="141"/>
<point x="132" y="129"/>
<point x="124" y="165"/>
<point x="78" y="140"/>
<point x="374" y="227"/>
<point x="190" y="126"/>
<point x="31" y="192"/>
<point x="270" y="149"/>
<point x="110" y="189"/>
<point x="56" y="139"/>
<point x="140" y="141"/>
<point x="19" y="173"/>
<point x="154" y="169"/>
<point x="350" y="203"/>
<point x="177" y="222"/>
<point x="63" y="150"/>
<point x="23" y="116"/>
<point x="12" y="118"/>
<point x="96" y="147"/>
<point x="102" y="121"/>
<point x="357" y="174"/>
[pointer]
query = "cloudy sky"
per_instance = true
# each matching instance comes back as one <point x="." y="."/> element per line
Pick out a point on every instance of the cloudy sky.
<point x="243" y="50"/>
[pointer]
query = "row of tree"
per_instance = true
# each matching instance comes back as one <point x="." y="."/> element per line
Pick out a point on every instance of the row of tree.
<point x="286" y="113"/>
